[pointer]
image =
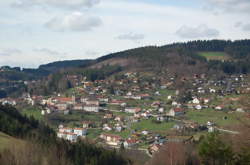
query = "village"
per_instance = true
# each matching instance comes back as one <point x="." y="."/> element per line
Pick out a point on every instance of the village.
<point x="140" y="110"/>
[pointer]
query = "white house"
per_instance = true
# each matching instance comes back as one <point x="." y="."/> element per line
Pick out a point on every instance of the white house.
<point x="68" y="136"/>
<point x="114" y="140"/>
<point x="130" y="143"/>
<point x="91" y="108"/>
<point x="196" y="101"/>
<point x="198" y="107"/>
<point x="71" y="137"/>
<point x="80" y="131"/>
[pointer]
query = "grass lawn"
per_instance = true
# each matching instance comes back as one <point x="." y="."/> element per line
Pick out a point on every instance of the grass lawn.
<point x="215" y="116"/>
<point x="6" y="141"/>
<point x="73" y="118"/>
<point x="214" y="55"/>
<point x="151" y="126"/>
<point x="33" y="111"/>
<point x="93" y="133"/>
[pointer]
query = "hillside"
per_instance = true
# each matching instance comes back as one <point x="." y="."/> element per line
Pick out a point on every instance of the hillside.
<point x="178" y="59"/>
<point x="6" y="141"/>
<point x="43" y="146"/>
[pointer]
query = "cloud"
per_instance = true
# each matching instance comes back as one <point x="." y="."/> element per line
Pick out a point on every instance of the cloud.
<point x="10" y="52"/>
<point x="92" y="53"/>
<point x="69" y="4"/>
<point x="238" y="24"/>
<point x="76" y="21"/>
<point x="246" y="27"/>
<point x="48" y="51"/>
<point x="230" y="5"/>
<point x="201" y="31"/>
<point x="131" y="36"/>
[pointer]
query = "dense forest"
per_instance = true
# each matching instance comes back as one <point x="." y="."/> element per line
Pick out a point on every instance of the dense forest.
<point x="42" y="147"/>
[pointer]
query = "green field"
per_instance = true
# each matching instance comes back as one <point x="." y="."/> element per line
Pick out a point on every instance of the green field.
<point x="33" y="111"/>
<point x="214" y="55"/>
<point x="148" y="125"/>
<point x="93" y="133"/>
<point x="203" y="116"/>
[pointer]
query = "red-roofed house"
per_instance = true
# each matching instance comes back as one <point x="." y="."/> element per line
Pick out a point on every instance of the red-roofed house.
<point x="132" y="110"/>
<point x="176" y="112"/>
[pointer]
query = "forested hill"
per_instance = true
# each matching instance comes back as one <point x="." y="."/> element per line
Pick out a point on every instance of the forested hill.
<point x="236" y="49"/>
<point x="40" y="145"/>
<point x="179" y="59"/>
<point x="55" y="66"/>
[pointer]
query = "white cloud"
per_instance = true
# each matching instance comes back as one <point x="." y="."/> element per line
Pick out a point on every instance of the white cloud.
<point x="49" y="52"/>
<point x="246" y="27"/>
<point x="243" y="26"/>
<point x="76" y="21"/>
<point x="131" y="36"/>
<point x="10" y="52"/>
<point x="238" y="24"/>
<point x="69" y="4"/>
<point x="230" y="5"/>
<point x="201" y="31"/>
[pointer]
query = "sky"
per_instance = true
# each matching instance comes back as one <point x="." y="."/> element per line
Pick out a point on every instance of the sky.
<point x="34" y="32"/>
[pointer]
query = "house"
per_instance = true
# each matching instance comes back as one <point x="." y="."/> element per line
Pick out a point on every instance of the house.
<point x="118" y="118"/>
<point x="174" y="103"/>
<point x="198" y="107"/>
<point x="118" y="128"/>
<point x="91" y="108"/>
<point x="71" y="137"/>
<point x="218" y="107"/>
<point x="71" y="134"/>
<point x="205" y="100"/>
<point x="80" y="131"/>
<point x="64" y="129"/>
<point x="108" y="116"/>
<point x="176" y="112"/>
<point x="154" y="148"/>
<point x="196" y="101"/>
<point x="110" y="139"/>
<point x="62" y="106"/>
<point x="92" y="102"/>
<point x="156" y="104"/>
<point x="161" y="110"/>
<point x="132" y="110"/>
<point x="144" y="96"/>
<point x="86" y="124"/>
<point x="145" y="132"/>
<point x="239" y="110"/>
<point x="103" y="99"/>
<point x="106" y="127"/>
<point x="210" y="126"/>
<point x="8" y="102"/>
<point x="118" y="102"/>
<point x="64" y="100"/>
<point x="78" y="107"/>
<point x="130" y="143"/>
<point x="67" y="136"/>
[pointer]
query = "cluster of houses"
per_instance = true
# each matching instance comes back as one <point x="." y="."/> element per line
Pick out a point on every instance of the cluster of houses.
<point x="139" y="100"/>
<point x="71" y="134"/>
